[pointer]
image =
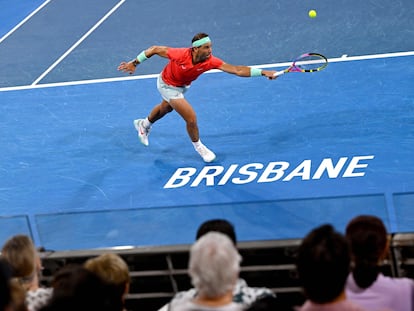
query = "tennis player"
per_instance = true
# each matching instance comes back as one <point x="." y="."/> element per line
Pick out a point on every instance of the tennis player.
<point x="184" y="66"/>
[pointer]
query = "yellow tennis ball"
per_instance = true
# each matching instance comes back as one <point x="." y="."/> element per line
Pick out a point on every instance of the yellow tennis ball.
<point x="312" y="13"/>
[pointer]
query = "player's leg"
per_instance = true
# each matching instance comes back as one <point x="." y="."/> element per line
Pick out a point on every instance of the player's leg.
<point x="186" y="111"/>
<point x="159" y="111"/>
<point x="168" y="92"/>
<point x="143" y="126"/>
<point x="173" y="98"/>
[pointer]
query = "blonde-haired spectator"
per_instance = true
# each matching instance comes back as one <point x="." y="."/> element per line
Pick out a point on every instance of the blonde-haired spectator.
<point x="18" y="294"/>
<point x="114" y="271"/>
<point x="20" y="252"/>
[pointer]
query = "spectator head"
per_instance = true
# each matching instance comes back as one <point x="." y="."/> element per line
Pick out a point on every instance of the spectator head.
<point x="369" y="244"/>
<point x="112" y="269"/>
<point x="76" y="288"/>
<point x="214" y="265"/>
<point x="323" y="264"/>
<point x="217" y="225"/>
<point x="22" y="255"/>
<point x="368" y="238"/>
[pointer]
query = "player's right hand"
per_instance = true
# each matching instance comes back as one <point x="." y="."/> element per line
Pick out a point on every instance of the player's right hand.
<point x="127" y="67"/>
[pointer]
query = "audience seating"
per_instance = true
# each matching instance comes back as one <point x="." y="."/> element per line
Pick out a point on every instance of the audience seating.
<point x="158" y="272"/>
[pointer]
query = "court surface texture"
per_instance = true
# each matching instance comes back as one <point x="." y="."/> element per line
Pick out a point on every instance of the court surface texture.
<point x="293" y="153"/>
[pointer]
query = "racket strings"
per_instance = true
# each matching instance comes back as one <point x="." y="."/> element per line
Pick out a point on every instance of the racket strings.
<point x="311" y="62"/>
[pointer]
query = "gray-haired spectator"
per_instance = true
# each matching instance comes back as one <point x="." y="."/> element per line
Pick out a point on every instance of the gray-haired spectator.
<point x="214" y="268"/>
<point x="242" y="293"/>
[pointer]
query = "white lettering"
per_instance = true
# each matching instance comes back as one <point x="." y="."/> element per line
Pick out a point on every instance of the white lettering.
<point x="349" y="172"/>
<point x="331" y="170"/>
<point x="182" y="174"/>
<point x="302" y="170"/>
<point x="208" y="173"/>
<point x="228" y="174"/>
<point x="244" y="170"/>
<point x="272" y="170"/>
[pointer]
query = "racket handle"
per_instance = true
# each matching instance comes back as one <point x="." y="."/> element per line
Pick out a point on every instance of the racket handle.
<point x="278" y="73"/>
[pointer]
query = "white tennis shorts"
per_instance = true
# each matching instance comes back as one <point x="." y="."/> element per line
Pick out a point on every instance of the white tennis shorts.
<point x="169" y="92"/>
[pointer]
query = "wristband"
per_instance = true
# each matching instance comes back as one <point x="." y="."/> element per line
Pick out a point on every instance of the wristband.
<point x="142" y="57"/>
<point x="255" y="72"/>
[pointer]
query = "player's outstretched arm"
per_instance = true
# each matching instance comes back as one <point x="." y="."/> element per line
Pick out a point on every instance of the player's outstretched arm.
<point x="245" y="71"/>
<point x="129" y="67"/>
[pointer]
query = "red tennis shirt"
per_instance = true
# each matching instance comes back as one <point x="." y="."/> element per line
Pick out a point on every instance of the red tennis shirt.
<point x="181" y="71"/>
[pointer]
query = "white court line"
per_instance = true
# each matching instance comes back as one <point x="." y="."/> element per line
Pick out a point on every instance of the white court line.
<point x="78" y="42"/>
<point x="24" y="21"/>
<point x="140" y="77"/>
<point x="346" y="58"/>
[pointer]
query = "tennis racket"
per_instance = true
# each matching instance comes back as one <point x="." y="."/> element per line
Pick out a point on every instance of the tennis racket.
<point x="309" y="62"/>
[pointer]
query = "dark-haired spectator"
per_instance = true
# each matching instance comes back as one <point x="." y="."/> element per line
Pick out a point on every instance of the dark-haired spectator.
<point x="12" y="294"/>
<point x="214" y="267"/>
<point x="76" y="288"/>
<point x="5" y="289"/>
<point x="217" y="225"/>
<point x="242" y="293"/>
<point x="323" y="266"/>
<point x="26" y="265"/>
<point x="366" y="285"/>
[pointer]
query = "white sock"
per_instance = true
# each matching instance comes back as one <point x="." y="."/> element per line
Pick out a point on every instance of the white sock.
<point x="147" y="124"/>
<point x="197" y="143"/>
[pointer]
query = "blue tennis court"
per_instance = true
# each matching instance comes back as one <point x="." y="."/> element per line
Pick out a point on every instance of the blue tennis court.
<point x="291" y="154"/>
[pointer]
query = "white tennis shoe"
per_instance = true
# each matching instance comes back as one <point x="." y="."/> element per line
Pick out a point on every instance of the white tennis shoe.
<point x="143" y="132"/>
<point x="205" y="153"/>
